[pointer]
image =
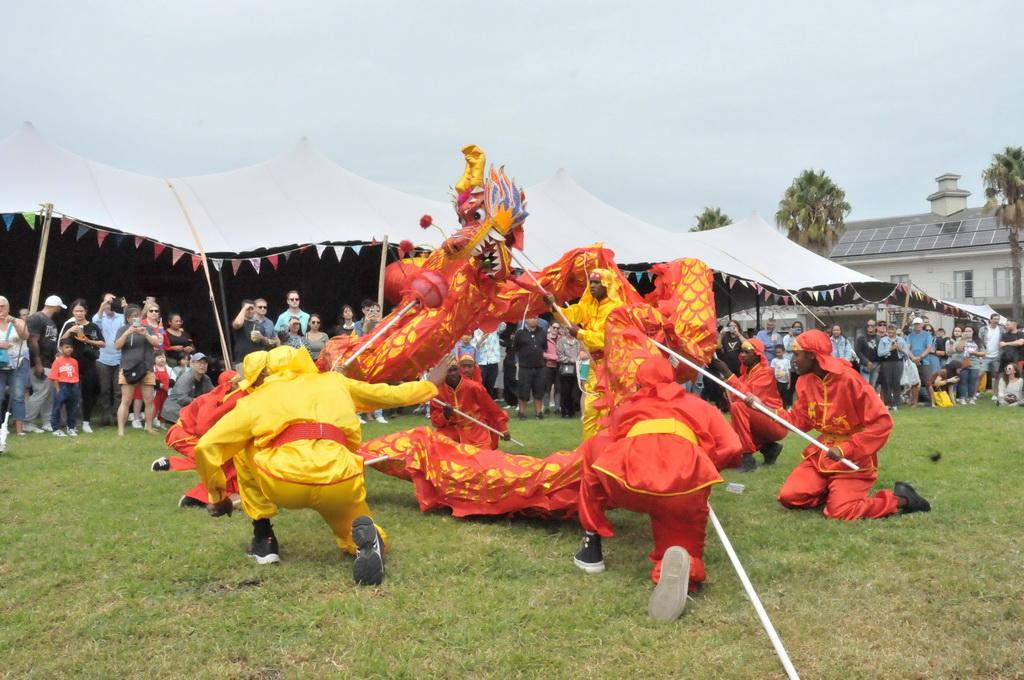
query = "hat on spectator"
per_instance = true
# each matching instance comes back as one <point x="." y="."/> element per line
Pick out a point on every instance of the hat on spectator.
<point x="199" y="356"/>
<point x="55" y="301"/>
<point x="917" y="319"/>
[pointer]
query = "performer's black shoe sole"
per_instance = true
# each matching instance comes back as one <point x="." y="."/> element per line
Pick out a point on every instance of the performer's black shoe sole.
<point x="748" y="464"/>
<point x="265" y="551"/>
<point x="915" y="501"/>
<point x="669" y="597"/>
<point x="368" y="568"/>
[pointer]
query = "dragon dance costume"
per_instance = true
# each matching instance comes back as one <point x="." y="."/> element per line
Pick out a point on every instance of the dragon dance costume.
<point x="848" y="414"/>
<point x="657" y="457"/>
<point x="755" y="430"/>
<point x="292" y="442"/>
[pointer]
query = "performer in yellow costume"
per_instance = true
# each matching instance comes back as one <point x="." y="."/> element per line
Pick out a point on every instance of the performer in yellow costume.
<point x="588" y="316"/>
<point x="292" y="442"/>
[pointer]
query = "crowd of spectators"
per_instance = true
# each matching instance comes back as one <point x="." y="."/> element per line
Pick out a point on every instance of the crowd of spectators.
<point x="917" y="365"/>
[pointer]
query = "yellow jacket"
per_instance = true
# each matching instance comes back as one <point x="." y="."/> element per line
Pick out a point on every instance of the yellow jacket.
<point x="590" y="314"/>
<point x="296" y="398"/>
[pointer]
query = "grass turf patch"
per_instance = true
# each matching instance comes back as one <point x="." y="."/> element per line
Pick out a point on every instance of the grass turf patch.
<point x="101" y="575"/>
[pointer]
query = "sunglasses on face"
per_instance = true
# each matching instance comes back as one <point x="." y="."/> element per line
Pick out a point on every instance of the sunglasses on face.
<point x="315" y="321"/>
<point x="154" y="311"/>
<point x="293" y="299"/>
<point x="261" y="306"/>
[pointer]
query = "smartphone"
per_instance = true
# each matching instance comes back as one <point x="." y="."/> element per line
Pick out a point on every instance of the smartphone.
<point x="136" y="323"/>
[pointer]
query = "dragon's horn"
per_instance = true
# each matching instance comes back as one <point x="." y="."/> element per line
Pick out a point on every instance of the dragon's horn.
<point x="473" y="176"/>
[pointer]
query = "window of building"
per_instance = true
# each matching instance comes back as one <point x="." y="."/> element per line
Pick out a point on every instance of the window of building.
<point x="963" y="284"/>
<point x="1002" y="280"/>
<point x="899" y="278"/>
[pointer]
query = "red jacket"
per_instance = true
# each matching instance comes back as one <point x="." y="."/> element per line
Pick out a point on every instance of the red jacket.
<point x="471" y="397"/>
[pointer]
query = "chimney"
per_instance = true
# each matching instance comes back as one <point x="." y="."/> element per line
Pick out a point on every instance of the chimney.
<point x="949" y="198"/>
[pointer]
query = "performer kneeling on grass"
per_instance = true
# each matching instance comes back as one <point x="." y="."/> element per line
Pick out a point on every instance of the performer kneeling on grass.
<point x="757" y="432"/>
<point x="832" y="398"/>
<point x="469" y="396"/>
<point x="659" y="456"/>
<point x="293" y="441"/>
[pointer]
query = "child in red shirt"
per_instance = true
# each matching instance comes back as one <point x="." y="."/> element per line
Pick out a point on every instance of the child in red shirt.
<point x="66" y="390"/>
<point x="164" y="381"/>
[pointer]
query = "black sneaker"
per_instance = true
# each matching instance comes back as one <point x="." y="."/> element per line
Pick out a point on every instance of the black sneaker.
<point x="540" y="416"/>
<point x="748" y="464"/>
<point x="589" y="557"/>
<point x="265" y="550"/>
<point x="915" y="502"/>
<point x="160" y="465"/>
<point x="368" y="569"/>
<point x="771" y="452"/>
<point x="521" y="416"/>
<point x="189" y="502"/>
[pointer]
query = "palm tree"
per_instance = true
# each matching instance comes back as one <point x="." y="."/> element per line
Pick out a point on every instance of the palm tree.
<point x="1004" y="189"/>
<point x="711" y="218"/>
<point x="812" y="211"/>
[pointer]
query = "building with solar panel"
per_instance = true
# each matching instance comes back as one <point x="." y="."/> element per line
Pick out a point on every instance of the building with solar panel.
<point x="952" y="252"/>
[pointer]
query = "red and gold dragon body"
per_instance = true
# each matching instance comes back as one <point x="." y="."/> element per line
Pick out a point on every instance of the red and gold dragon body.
<point x="484" y="290"/>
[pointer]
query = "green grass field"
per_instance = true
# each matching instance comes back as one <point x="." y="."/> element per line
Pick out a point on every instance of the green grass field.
<point x="101" y="575"/>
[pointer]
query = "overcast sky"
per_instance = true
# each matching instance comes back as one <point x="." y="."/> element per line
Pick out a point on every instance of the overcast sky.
<point x="659" y="108"/>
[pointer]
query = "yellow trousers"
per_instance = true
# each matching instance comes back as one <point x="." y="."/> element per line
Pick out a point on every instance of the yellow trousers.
<point x="591" y="414"/>
<point x="338" y="504"/>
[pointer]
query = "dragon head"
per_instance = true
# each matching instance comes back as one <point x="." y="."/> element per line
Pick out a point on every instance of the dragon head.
<point x="491" y="211"/>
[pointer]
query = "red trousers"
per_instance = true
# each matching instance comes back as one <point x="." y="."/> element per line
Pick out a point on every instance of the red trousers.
<point x="754" y="428"/>
<point x="845" y="496"/>
<point x="675" y="520"/>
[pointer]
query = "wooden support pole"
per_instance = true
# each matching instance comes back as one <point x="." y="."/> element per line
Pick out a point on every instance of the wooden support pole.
<point x="380" y="279"/>
<point x="44" y="240"/>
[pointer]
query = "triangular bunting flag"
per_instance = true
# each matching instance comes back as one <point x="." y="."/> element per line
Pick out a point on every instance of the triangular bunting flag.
<point x="138" y="241"/>
<point x="8" y="219"/>
<point x="320" y="251"/>
<point x="158" y="248"/>
<point x="118" y="240"/>
<point x="731" y="280"/>
<point x="767" y="294"/>
<point x="176" y="255"/>
<point x="235" y="264"/>
<point x="217" y="264"/>
<point x="81" y="232"/>
<point x="272" y="259"/>
<point x="196" y="261"/>
<point x="255" y="262"/>
<point x="743" y="283"/>
<point x="356" y="249"/>
<point x="339" y="251"/>
<point x="65" y="222"/>
<point x="30" y="217"/>
<point x="101" y="236"/>
<point x="287" y="254"/>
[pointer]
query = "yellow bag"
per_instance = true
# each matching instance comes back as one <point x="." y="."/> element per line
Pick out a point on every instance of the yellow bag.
<point x="940" y="399"/>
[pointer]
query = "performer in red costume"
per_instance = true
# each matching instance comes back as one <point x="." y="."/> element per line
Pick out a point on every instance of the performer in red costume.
<point x="656" y="458"/>
<point x="198" y="417"/>
<point x="757" y="432"/>
<point x="470" y="369"/>
<point x="832" y="398"/>
<point x="469" y="396"/>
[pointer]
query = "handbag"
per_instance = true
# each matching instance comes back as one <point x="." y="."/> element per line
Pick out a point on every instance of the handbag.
<point x="134" y="374"/>
<point x="5" y="357"/>
<point x="910" y="375"/>
<point x="567" y="369"/>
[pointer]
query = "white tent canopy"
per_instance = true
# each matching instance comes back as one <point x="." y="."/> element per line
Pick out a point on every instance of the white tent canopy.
<point x="300" y="197"/>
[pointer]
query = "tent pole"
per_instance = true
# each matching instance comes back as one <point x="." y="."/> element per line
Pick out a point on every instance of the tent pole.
<point x="906" y="305"/>
<point x="380" y="279"/>
<point x="224" y="305"/>
<point x="757" y="311"/>
<point x="206" y="271"/>
<point x="44" y="240"/>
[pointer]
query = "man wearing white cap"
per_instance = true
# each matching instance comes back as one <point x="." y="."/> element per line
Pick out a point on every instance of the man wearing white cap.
<point x="42" y="342"/>
<point x="921" y="345"/>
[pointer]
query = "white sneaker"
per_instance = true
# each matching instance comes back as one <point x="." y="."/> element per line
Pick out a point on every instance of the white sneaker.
<point x="58" y="433"/>
<point x="380" y="419"/>
<point x="71" y="432"/>
<point x="47" y="427"/>
<point x="361" y="421"/>
<point x="159" y="424"/>
<point x="136" y="424"/>
<point x="669" y="597"/>
<point x="33" y="428"/>
<point x="86" y="428"/>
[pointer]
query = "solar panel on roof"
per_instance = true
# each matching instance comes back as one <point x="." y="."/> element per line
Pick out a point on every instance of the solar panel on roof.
<point x="915" y="230"/>
<point x="890" y="246"/>
<point x="899" y="232"/>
